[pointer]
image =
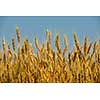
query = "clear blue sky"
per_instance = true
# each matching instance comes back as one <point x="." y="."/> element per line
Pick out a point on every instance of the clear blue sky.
<point x="31" y="27"/>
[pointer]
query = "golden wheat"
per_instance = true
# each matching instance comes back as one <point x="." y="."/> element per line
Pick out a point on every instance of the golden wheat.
<point x="23" y="65"/>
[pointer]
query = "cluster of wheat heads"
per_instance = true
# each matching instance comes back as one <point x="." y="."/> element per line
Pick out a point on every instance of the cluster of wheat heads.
<point x="23" y="65"/>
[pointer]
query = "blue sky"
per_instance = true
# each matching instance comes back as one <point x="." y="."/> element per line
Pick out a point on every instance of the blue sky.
<point x="31" y="27"/>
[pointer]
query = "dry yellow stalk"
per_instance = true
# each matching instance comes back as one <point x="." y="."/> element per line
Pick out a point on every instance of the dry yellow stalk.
<point x="57" y="43"/>
<point x="18" y="34"/>
<point x="15" y="57"/>
<point x="4" y="58"/>
<point x="76" y="39"/>
<point x="3" y="44"/>
<point x="85" y="46"/>
<point x="9" y="56"/>
<point x="94" y="48"/>
<point x="89" y="48"/>
<point x="47" y="34"/>
<point x="26" y="43"/>
<point x="13" y="43"/>
<point x="66" y="44"/>
<point x="0" y="56"/>
<point x="48" y="47"/>
<point x="37" y="44"/>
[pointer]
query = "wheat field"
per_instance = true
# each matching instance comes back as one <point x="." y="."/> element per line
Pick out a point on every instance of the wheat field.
<point x="22" y="65"/>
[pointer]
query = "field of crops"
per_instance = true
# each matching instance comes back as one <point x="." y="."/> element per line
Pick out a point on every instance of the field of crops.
<point x="22" y="65"/>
